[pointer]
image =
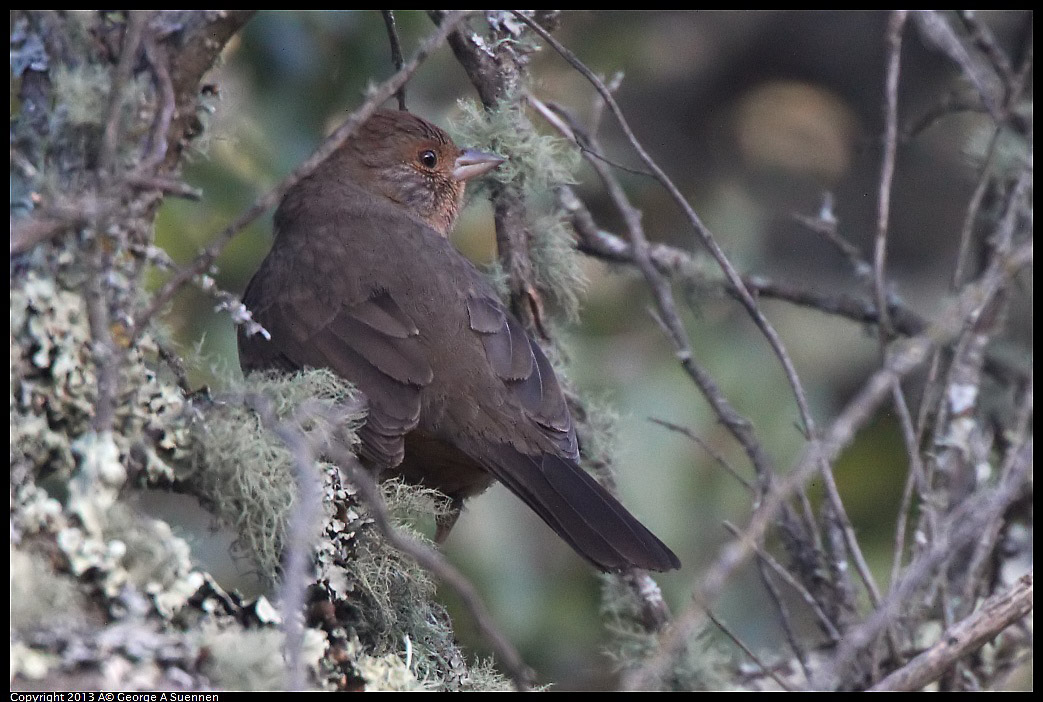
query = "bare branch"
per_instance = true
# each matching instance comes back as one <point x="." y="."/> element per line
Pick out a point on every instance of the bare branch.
<point x="826" y="623"/>
<point x="136" y="23"/>
<point x="895" y="25"/>
<point x="995" y="614"/>
<point x="396" y="52"/>
<point x="721" y="461"/>
<point x="748" y="651"/>
<point x="962" y="527"/>
<point x="300" y="537"/>
<point x="936" y="29"/>
<point x="167" y="107"/>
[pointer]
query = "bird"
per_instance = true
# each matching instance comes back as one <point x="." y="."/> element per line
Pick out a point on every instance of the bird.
<point x="362" y="279"/>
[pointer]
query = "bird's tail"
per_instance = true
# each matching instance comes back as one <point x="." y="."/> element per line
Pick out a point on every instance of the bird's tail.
<point x="582" y="512"/>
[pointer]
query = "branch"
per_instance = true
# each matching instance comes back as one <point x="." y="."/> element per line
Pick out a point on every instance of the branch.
<point x="299" y="543"/>
<point x="396" y="52"/>
<point x="887" y="169"/>
<point x="136" y="22"/>
<point x="962" y="527"/>
<point x="496" y="70"/>
<point x="996" y="614"/>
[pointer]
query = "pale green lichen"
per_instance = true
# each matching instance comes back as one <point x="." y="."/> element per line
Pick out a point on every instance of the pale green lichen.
<point x="154" y="560"/>
<point x="85" y="93"/>
<point x="538" y="163"/>
<point x="700" y="666"/>
<point x="249" y="660"/>
<point x="41" y="597"/>
<point x="387" y="673"/>
<point x="54" y="391"/>
<point x="253" y="659"/>
<point x="30" y="663"/>
<point x="245" y="472"/>
<point x="85" y="552"/>
<point x="557" y="264"/>
<point x="385" y="598"/>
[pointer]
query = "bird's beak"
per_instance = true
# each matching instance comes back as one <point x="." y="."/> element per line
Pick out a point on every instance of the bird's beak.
<point x="471" y="164"/>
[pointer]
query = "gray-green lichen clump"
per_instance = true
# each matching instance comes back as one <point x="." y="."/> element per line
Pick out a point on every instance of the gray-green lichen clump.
<point x="538" y="163"/>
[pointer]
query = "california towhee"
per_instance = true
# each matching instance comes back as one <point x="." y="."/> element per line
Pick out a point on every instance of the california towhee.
<point x="362" y="279"/>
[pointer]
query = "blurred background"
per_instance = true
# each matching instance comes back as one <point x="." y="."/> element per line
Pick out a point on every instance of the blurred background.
<point x="756" y="116"/>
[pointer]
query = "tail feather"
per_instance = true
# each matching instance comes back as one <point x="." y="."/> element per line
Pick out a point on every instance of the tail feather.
<point x="580" y="510"/>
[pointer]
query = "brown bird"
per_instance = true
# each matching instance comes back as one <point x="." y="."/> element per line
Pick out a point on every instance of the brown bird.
<point x="362" y="279"/>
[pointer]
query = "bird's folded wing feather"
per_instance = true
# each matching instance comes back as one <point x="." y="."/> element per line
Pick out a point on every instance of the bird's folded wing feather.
<point x="373" y="343"/>
<point x="520" y="363"/>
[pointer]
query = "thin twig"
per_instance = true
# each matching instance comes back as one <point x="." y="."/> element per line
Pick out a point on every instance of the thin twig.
<point x="721" y="461"/>
<point x="748" y="651"/>
<point x="961" y="528"/>
<point x="136" y="23"/>
<point x="984" y="39"/>
<point x="396" y="52"/>
<point x="784" y="619"/>
<point x="157" y="150"/>
<point x="28" y="232"/>
<point x="893" y="41"/>
<point x="167" y="186"/>
<point x="952" y="104"/>
<point x="937" y="30"/>
<point x="825" y="223"/>
<point x="915" y="482"/>
<point x="176" y="365"/>
<point x="895" y="25"/>
<point x="826" y="623"/>
<point x="551" y="111"/>
<point x="971" y="216"/>
<point x="299" y="531"/>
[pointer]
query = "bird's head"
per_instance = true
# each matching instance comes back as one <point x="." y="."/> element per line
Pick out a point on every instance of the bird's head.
<point x="415" y="164"/>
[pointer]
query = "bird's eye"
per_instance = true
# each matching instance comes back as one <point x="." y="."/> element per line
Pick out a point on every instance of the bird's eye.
<point x="429" y="158"/>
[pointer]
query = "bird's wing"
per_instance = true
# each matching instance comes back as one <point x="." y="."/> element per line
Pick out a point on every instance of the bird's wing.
<point x="518" y="361"/>
<point x="371" y="342"/>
